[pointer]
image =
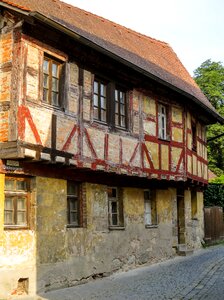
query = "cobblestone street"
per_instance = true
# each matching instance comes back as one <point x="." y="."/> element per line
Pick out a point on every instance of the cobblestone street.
<point x="199" y="276"/>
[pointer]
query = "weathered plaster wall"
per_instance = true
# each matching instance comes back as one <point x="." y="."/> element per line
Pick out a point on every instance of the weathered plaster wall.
<point x="194" y="226"/>
<point x="67" y="255"/>
<point x="17" y="252"/>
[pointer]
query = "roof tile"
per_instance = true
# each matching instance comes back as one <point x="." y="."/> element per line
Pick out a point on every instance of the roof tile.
<point x="151" y="55"/>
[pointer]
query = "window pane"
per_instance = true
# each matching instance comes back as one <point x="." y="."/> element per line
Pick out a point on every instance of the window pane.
<point x="103" y="102"/>
<point x="112" y="192"/>
<point x="55" y="84"/>
<point x="122" y="121"/>
<point x="20" y="185"/>
<point x="103" y="90"/>
<point x="116" y="120"/>
<point x="103" y="116"/>
<point x="95" y="113"/>
<point x="116" y="95"/>
<point x="122" y="110"/>
<point x="148" y="219"/>
<point x="9" y="185"/>
<point x="54" y="98"/>
<point x="73" y="204"/>
<point x="116" y="107"/>
<point x="74" y="218"/>
<point x="95" y="87"/>
<point x="54" y="70"/>
<point x="114" y="219"/>
<point x="122" y="97"/>
<point x="147" y="206"/>
<point x="21" y="218"/>
<point x="45" y="95"/>
<point x="72" y="188"/>
<point x="114" y="207"/>
<point x="46" y="66"/>
<point x="46" y="81"/>
<point x="9" y="203"/>
<point x="163" y="122"/>
<point x="8" y="216"/>
<point x="21" y="203"/>
<point x="95" y="98"/>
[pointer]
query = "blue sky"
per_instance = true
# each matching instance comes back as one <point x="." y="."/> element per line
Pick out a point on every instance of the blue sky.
<point x="193" y="28"/>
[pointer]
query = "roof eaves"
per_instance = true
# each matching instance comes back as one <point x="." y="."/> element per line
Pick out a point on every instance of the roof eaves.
<point x="85" y="39"/>
<point x="13" y="6"/>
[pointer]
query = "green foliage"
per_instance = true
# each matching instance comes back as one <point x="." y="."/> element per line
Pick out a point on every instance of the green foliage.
<point x="218" y="180"/>
<point x="214" y="195"/>
<point x="210" y="78"/>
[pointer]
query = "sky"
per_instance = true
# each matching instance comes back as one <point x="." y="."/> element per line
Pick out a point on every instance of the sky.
<point x="193" y="28"/>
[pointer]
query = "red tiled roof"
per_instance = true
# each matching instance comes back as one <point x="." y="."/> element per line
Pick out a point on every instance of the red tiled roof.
<point x="150" y="55"/>
<point x="12" y="3"/>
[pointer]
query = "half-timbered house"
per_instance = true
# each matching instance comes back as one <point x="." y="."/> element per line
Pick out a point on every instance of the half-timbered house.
<point x="102" y="147"/>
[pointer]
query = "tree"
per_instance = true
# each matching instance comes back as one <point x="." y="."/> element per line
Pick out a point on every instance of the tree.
<point x="210" y="78"/>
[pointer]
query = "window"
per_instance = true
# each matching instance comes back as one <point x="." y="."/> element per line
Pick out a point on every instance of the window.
<point x="51" y="81"/>
<point x="120" y="109"/>
<point x="163" y="122"/>
<point x="115" y="207"/>
<point x="194" y="136"/>
<point x="100" y="101"/>
<point x="16" y="202"/>
<point x="150" y="208"/>
<point x="109" y="104"/>
<point x="73" y="201"/>
<point x="193" y="204"/>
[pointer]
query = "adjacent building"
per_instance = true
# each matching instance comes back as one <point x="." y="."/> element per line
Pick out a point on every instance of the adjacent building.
<point x="103" y="158"/>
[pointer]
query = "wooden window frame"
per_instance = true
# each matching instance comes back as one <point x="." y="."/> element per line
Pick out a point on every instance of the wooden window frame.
<point x="16" y="194"/>
<point x="113" y="110"/>
<point x="74" y="198"/>
<point x="119" y="104"/>
<point x="119" y="208"/>
<point x="150" y="198"/>
<point x="98" y="106"/>
<point x="163" y="122"/>
<point x="49" y="87"/>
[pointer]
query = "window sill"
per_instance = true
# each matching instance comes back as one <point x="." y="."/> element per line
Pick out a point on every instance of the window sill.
<point x="151" y="226"/>
<point x="15" y="227"/>
<point x="164" y="140"/>
<point x="72" y="226"/>
<point x="116" y="228"/>
<point x="52" y="106"/>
